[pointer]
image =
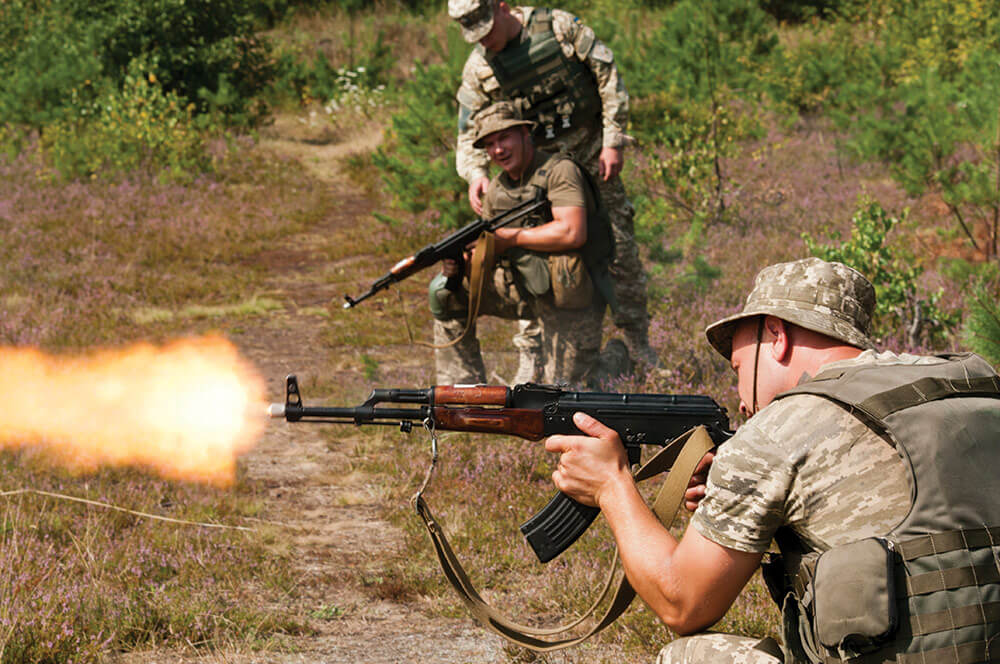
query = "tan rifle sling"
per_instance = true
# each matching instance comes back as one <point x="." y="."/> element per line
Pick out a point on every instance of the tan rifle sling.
<point x="480" y="267"/>
<point x="694" y="444"/>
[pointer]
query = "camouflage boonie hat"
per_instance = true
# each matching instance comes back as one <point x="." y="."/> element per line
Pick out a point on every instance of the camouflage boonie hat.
<point x="475" y="17"/>
<point x="829" y="298"/>
<point x="497" y="117"/>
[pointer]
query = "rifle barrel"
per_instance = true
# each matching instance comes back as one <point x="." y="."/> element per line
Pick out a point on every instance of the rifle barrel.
<point x="358" y="415"/>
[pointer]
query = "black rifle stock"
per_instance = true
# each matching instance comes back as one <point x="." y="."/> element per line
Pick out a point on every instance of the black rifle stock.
<point x="450" y="247"/>
<point x="531" y="412"/>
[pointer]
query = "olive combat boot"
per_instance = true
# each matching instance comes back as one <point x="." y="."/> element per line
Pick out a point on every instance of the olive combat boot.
<point x="644" y="357"/>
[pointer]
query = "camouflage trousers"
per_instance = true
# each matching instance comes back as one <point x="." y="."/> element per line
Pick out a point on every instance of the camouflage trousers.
<point x="570" y="339"/>
<point x="712" y="648"/>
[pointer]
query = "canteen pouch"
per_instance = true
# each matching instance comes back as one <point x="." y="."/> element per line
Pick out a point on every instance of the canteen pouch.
<point x="572" y="287"/>
<point x="855" y="596"/>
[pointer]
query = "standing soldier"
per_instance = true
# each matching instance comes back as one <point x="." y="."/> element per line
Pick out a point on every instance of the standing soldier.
<point x="565" y="80"/>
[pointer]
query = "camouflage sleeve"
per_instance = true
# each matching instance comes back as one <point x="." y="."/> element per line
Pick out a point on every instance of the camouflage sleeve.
<point x="745" y="493"/>
<point x="805" y="463"/>
<point x="471" y="163"/>
<point x="569" y="30"/>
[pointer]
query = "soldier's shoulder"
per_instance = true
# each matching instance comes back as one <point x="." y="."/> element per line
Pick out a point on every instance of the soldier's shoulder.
<point x="560" y="164"/>
<point x="795" y="423"/>
<point x="565" y="25"/>
<point x="473" y="65"/>
<point x="804" y="408"/>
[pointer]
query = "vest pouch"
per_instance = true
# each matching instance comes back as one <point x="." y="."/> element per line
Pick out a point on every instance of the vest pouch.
<point x="572" y="287"/>
<point x="532" y="270"/>
<point x="855" y="596"/>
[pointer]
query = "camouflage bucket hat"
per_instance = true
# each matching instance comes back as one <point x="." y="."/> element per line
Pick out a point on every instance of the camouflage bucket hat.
<point x="829" y="298"/>
<point x="475" y="17"/>
<point x="497" y="117"/>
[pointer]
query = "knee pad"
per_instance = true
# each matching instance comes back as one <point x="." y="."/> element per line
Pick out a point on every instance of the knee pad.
<point x="445" y="304"/>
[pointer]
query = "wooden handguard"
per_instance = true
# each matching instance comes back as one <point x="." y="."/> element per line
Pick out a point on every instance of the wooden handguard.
<point x="527" y="424"/>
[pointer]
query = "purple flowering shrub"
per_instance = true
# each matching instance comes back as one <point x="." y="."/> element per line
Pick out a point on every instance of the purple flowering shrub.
<point x="81" y="261"/>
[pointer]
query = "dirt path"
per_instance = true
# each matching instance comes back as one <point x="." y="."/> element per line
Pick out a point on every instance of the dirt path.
<point x="335" y="533"/>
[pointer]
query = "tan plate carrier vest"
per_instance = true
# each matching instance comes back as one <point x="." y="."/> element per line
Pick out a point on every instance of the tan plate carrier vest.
<point x="928" y="592"/>
<point x="557" y="92"/>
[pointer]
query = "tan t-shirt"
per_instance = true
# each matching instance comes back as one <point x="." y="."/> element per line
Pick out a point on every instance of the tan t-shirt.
<point x="806" y="463"/>
<point x="563" y="179"/>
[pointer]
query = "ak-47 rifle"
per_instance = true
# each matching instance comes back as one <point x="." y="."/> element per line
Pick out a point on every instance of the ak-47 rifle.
<point x="531" y="412"/>
<point x="450" y="247"/>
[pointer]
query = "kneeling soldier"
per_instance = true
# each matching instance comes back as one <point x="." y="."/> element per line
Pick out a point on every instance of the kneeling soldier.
<point x="553" y="267"/>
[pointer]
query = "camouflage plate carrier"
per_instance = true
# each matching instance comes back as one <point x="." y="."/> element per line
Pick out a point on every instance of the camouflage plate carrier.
<point x="556" y="92"/>
<point x="929" y="590"/>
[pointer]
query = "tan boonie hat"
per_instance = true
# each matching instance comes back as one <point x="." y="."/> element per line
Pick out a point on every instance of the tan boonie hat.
<point x="829" y="298"/>
<point x="475" y="17"/>
<point x="497" y="117"/>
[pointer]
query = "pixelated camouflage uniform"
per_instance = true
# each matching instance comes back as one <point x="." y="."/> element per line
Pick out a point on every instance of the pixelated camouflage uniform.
<point x="480" y="88"/>
<point x="808" y="474"/>
<point x="807" y="464"/>
<point x="570" y="338"/>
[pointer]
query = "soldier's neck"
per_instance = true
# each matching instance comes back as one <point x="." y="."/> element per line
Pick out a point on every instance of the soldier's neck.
<point x="512" y="26"/>
<point x="529" y="157"/>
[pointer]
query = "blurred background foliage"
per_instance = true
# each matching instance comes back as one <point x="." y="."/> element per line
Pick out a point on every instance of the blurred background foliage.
<point x="108" y="86"/>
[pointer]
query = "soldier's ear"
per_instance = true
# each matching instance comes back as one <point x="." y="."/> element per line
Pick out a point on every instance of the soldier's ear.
<point x="777" y="331"/>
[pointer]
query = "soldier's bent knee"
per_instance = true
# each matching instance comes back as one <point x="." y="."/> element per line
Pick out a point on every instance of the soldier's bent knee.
<point x="445" y="304"/>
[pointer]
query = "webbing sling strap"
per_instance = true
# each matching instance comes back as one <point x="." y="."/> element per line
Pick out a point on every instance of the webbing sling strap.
<point x="694" y="444"/>
<point x="481" y="265"/>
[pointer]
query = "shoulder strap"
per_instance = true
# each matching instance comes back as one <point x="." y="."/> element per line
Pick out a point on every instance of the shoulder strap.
<point x="929" y="389"/>
<point x="539" y="21"/>
<point x="921" y="390"/>
<point x="685" y="452"/>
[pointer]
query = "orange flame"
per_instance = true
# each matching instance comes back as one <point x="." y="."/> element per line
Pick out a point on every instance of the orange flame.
<point x="186" y="410"/>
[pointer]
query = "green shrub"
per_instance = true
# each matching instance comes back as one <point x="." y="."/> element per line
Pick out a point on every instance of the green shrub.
<point x="981" y="331"/>
<point x="128" y="128"/>
<point x="44" y="54"/>
<point x="900" y="312"/>
<point x="940" y="134"/>
<point x="197" y="46"/>
<point x="417" y="161"/>
<point x="303" y="81"/>
<point x="202" y="50"/>
<point x="698" y="48"/>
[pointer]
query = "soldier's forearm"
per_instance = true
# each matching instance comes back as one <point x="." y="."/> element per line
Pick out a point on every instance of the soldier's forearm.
<point x="614" y="104"/>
